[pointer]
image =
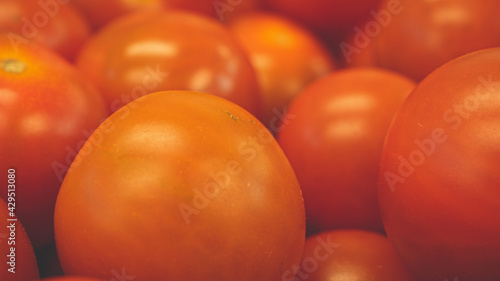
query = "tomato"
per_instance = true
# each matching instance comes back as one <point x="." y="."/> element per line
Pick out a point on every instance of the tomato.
<point x="48" y="22"/>
<point x="286" y="58"/>
<point x="415" y="37"/>
<point x="100" y="13"/>
<point x="180" y="184"/>
<point x="350" y="255"/>
<point x="17" y="258"/>
<point x="47" y="110"/>
<point x="439" y="179"/>
<point x="153" y="51"/>
<point x="333" y="18"/>
<point x="333" y="138"/>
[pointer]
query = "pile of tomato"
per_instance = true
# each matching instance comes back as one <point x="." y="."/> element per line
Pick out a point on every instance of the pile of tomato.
<point x="279" y="140"/>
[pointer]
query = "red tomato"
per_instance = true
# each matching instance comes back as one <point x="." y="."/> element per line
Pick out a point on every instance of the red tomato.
<point x="333" y="138"/>
<point x="100" y="13"/>
<point x="17" y="256"/>
<point x="48" y="22"/>
<point x="148" y="52"/>
<point x="286" y="58"/>
<point x="330" y="17"/>
<point x="350" y="255"/>
<point x="180" y="184"/>
<point x="439" y="182"/>
<point x="415" y="37"/>
<point x="47" y="110"/>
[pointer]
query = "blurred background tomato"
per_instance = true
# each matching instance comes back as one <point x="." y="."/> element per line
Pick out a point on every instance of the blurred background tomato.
<point x="152" y="51"/>
<point x="415" y="37"/>
<point x="286" y="57"/>
<point x="334" y="143"/>
<point x="57" y="26"/>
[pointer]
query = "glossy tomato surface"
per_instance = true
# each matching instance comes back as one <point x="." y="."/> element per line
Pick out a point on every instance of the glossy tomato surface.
<point x="286" y="57"/>
<point x="334" y="138"/>
<point x="152" y="51"/>
<point x="185" y="185"/>
<point x="17" y="258"/>
<point x="416" y="37"/>
<point x="53" y="24"/>
<point x="99" y="13"/>
<point x="439" y="181"/>
<point x="47" y="111"/>
<point x="343" y="255"/>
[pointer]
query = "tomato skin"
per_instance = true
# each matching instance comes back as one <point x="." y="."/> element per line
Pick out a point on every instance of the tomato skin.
<point x="177" y="184"/>
<point x="25" y="261"/>
<point x="271" y="41"/>
<point x="46" y="110"/>
<point x="57" y="26"/>
<point x="335" y="136"/>
<point x="439" y="173"/>
<point x="154" y="51"/>
<point x="351" y="255"/>
<point x="431" y="33"/>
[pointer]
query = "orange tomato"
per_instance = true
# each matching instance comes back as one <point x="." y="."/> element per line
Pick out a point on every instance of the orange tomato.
<point x="286" y="58"/>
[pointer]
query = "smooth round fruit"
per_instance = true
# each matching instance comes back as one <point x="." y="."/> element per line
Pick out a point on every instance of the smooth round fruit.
<point x="439" y="179"/>
<point x="47" y="112"/>
<point x="286" y="58"/>
<point x="416" y="37"/>
<point x="350" y="255"/>
<point x="185" y="185"/>
<point x="20" y="264"/>
<point x="334" y="137"/>
<point x="153" y="51"/>
<point x="57" y="26"/>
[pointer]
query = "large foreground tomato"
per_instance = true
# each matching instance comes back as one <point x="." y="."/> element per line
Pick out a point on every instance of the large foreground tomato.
<point x="415" y="37"/>
<point x="184" y="186"/>
<point x="17" y="257"/>
<point x="439" y="185"/>
<point x="47" y="22"/>
<point x="334" y="136"/>
<point x="348" y="255"/>
<point x="47" y="112"/>
<point x="285" y="56"/>
<point x="153" y="51"/>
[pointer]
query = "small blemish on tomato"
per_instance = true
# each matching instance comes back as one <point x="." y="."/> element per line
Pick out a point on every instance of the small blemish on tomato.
<point x="235" y="118"/>
<point x="13" y="66"/>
